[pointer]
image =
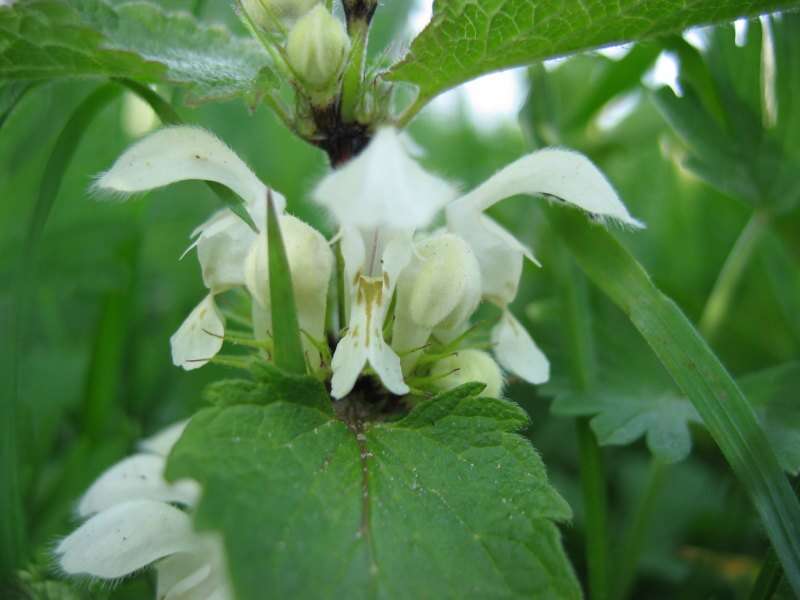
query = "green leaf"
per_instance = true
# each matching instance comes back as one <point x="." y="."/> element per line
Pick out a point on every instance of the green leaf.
<point x="10" y="96"/>
<point x="621" y="419"/>
<point x="287" y="345"/>
<point x="49" y="39"/>
<point x="448" y="502"/>
<point x="726" y="413"/>
<point x="632" y="397"/>
<point x="468" y="38"/>
<point x="736" y="142"/>
<point x="773" y="394"/>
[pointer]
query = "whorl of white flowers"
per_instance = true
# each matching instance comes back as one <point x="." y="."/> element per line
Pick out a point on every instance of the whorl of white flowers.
<point x="136" y="519"/>
<point x="417" y="286"/>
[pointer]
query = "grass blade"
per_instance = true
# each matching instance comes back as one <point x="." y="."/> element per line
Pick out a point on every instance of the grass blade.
<point x="12" y="515"/>
<point x="288" y="350"/>
<point x="697" y="371"/>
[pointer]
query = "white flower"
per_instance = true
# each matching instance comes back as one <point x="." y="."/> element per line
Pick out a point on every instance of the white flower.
<point x="134" y="521"/>
<point x="378" y="199"/>
<point x="223" y="242"/>
<point x="383" y="196"/>
<point x="567" y="176"/>
<point x="439" y="290"/>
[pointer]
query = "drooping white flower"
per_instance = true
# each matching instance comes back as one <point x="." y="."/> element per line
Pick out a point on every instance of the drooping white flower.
<point x="137" y="519"/>
<point x="567" y="176"/>
<point x="378" y="199"/>
<point x="223" y="242"/>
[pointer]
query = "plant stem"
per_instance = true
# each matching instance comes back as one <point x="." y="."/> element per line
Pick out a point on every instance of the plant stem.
<point x="409" y="113"/>
<point x="635" y="536"/>
<point x="719" y="300"/>
<point x="580" y="342"/>
<point x="593" y="486"/>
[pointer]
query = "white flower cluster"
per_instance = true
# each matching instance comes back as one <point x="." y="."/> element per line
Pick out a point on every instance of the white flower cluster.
<point x="384" y="204"/>
<point x="137" y="519"/>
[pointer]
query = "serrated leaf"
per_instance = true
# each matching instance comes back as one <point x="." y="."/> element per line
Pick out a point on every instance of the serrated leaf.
<point x="49" y="39"/>
<point x="632" y="397"/>
<point x="448" y="502"/>
<point x="468" y="38"/>
<point x="662" y="418"/>
<point x="774" y="394"/>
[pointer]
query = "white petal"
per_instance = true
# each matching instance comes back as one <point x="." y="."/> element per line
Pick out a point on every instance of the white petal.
<point x="176" y="154"/>
<point x="349" y="359"/>
<point x="499" y="254"/>
<point x="125" y="538"/>
<point x="566" y="175"/>
<point x="354" y="252"/>
<point x="176" y="569"/>
<point x="193" y="586"/>
<point x="161" y="443"/>
<point x="224" y="240"/>
<point x="138" y="477"/>
<point x="517" y="352"/>
<point x="383" y="186"/>
<point x="387" y="365"/>
<point x="222" y="256"/>
<point x="199" y="338"/>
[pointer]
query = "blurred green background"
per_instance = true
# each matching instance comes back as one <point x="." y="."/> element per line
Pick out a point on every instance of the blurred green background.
<point x="95" y="368"/>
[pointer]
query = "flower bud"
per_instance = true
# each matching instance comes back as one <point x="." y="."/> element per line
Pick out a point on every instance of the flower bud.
<point x="310" y="264"/>
<point x="317" y="48"/>
<point x="262" y="13"/>
<point x="439" y="290"/>
<point x="467" y="366"/>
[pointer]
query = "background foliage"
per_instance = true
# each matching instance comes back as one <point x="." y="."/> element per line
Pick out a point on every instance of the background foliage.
<point x="110" y="290"/>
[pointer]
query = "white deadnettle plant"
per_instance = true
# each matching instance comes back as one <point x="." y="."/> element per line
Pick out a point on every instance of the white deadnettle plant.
<point x="137" y="519"/>
<point x="405" y="286"/>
